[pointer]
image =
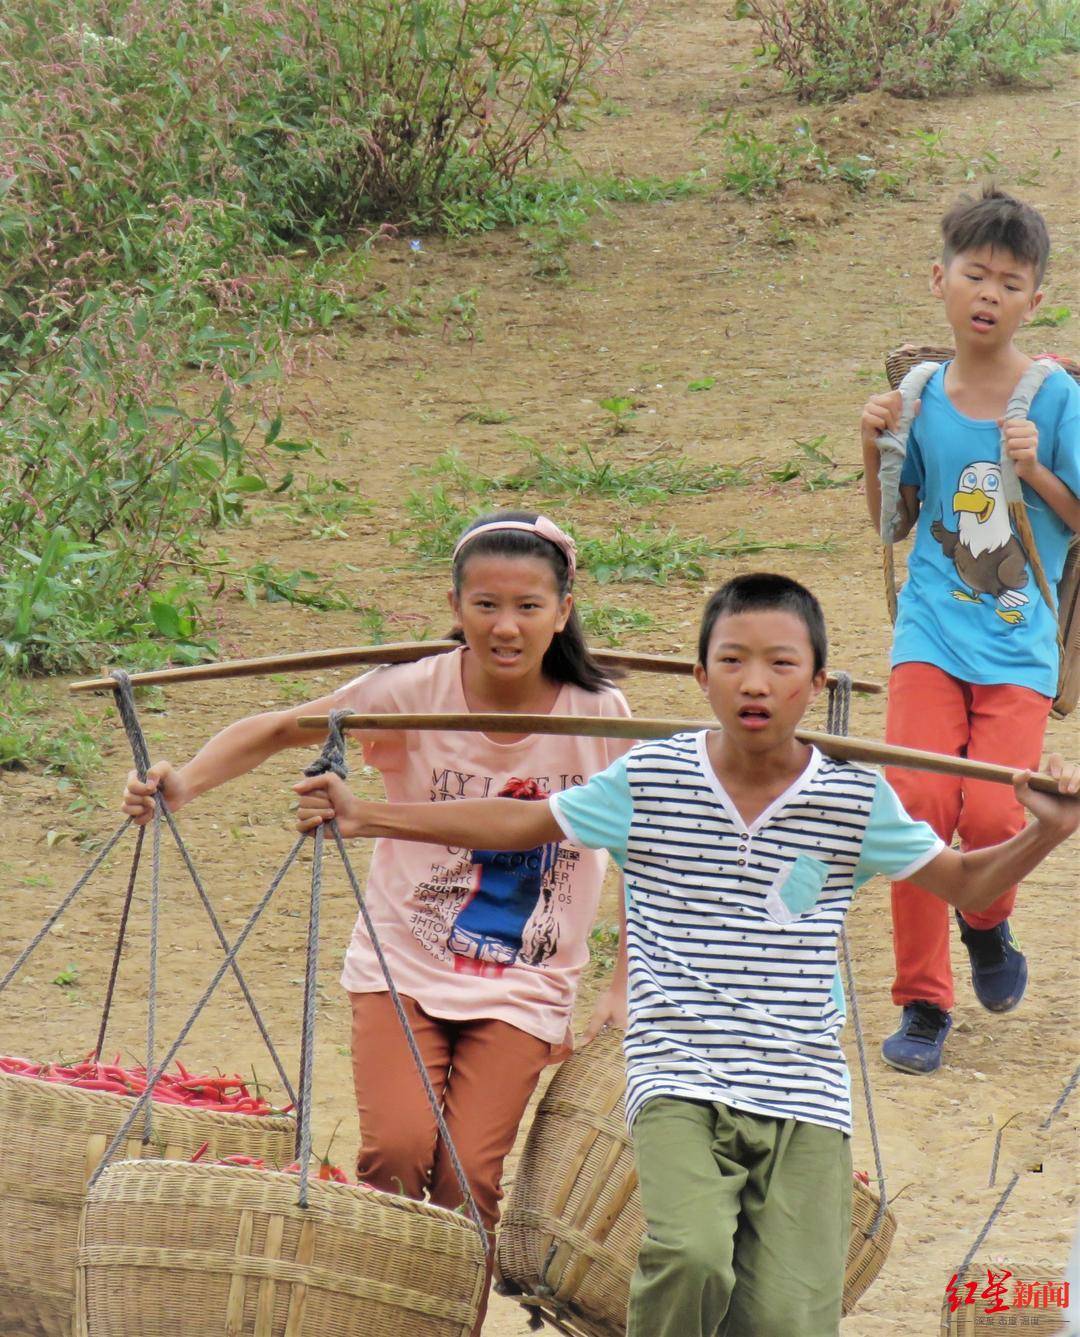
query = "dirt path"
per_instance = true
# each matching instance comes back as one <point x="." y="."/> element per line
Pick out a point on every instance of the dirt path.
<point x="658" y="296"/>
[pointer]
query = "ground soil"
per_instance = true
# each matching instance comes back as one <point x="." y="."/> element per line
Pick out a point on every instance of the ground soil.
<point x="790" y="304"/>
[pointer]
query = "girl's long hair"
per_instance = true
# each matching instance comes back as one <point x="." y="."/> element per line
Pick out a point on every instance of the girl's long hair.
<point x="567" y="658"/>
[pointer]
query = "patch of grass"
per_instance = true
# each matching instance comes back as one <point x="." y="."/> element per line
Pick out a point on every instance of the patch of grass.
<point x="32" y="740"/>
<point x="487" y="416"/>
<point x="584" y="473"/>
<point x="438" y="514"/>
<point x="813" y="467"/>
<point x="322" y="506"/>
<point x="551" y="213"/>
<point x="1052" y="316"/>
<point x="755" y="166"/>
<point x="655" y="557"/>
<point x="611" y="622"/>
<point x="647" y="554"/>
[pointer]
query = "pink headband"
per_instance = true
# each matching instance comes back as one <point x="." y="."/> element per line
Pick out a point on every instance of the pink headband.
<point x="542" y="527"/>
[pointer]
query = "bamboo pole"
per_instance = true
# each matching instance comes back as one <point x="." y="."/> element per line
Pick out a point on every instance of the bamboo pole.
<point x="842" y="747"/>
<point x="400" y="652"/>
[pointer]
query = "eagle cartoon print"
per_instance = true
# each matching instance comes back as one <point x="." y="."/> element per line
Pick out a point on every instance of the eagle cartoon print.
<point x="988" y="557"/>
<point x="510" y="893"/>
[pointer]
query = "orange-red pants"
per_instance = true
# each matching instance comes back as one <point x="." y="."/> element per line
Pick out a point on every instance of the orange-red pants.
<point x="483" y="1071"/>
<point x="1002" y="723"/>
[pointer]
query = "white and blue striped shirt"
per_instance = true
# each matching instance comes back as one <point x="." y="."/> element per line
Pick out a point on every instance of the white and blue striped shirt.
<point x="732" y="926"/>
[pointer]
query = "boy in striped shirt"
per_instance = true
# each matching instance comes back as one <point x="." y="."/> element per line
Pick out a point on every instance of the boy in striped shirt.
<point x="741" y="848"/>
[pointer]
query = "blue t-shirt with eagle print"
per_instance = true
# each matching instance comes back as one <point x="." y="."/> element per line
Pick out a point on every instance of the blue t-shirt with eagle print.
<point x="970" y="604"/>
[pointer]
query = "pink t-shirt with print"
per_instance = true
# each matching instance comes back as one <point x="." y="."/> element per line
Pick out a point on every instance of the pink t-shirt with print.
<point x="477" y="933"/>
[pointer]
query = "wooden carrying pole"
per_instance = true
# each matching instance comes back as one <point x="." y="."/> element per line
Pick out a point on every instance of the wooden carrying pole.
<point x="402" y="652"/>
<point x="843" y="748"/>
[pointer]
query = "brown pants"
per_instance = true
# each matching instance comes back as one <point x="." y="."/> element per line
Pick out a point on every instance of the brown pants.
<point x="484" y="1071"/>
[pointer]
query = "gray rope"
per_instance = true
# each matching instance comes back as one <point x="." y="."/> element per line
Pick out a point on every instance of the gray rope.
<point x="307" y="1032"/>
<point x="997" y="1150"/>
<point x="838" y="719"/>
<point x="46" y="928"/>
<point x="429" y="1090"/>
<point x="403" y="1020"/>
<point x="152" y="966"/>
<point x="999" y="1206"/>
<point x="219" y="932"/>
<point x="125" y="704"/>
<point x="152" y="1078"/>
<point x="838" y="713"/>
<point x="331" y="758"/>
<point x="106" y="1007"/>
<point x="864" y="1069"/>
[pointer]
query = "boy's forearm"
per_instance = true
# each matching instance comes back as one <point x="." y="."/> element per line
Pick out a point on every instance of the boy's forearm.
<point x="495" y="823"/>
<point x="974" y="879"/>
<point x="871" y="464"/>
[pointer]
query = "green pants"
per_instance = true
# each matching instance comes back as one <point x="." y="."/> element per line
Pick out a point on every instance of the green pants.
<point x="747" y="1222"/>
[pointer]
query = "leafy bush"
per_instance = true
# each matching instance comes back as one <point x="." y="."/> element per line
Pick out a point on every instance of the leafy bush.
<point x="175" y="182"/>
<point x="913" y="48"/>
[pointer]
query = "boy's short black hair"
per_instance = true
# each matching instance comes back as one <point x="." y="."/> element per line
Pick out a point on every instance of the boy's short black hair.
<point x="761" y="591"/>
<point x="1000" y="221"/>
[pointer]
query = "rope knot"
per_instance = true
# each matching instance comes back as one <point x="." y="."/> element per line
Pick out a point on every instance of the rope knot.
<point x="332" y="757"/>
<point x="838" y="714"/>
<point x="125" y="705"/>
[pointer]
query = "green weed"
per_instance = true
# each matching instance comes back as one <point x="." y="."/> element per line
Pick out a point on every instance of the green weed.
<point x="604" y="946"/>
<point x="612" y="622"/>
<point x="486" y="415"/>
<point x="654" y="556"/>
<point x="621" y="411"/>
<point x="31" y="739"/>
<point x="323" y="506"/>
<point x="813" y="467"/>
<point x="1053" y="317"/>
<point x="68" y="978"/>
<point x="754" y="165"/>
<point x="583" y="472"/>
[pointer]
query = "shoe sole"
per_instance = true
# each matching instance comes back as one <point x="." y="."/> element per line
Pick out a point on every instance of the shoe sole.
<point x="912" y="1072"/>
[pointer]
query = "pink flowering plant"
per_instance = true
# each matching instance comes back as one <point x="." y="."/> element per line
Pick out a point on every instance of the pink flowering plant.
<point x="187" y="193"/>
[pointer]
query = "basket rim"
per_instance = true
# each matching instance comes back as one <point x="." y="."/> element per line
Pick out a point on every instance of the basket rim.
<point x="197" y="1169"/>
<point x="72" y="1095"/>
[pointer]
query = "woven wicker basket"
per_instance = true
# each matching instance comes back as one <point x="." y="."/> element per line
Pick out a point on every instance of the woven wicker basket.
<point x="52" y="1139"/>
<point x="207" y="1250"/>
<point x="570" y="1234"/>
<point x="897" y="364"/>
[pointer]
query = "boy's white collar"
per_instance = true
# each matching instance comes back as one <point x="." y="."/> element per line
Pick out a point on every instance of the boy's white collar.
<point x="763" y="818"/>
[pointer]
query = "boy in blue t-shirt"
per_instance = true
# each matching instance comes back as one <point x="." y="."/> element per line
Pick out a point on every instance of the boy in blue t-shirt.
<point x="975" y="652"/>
<point x="742" y="849"/>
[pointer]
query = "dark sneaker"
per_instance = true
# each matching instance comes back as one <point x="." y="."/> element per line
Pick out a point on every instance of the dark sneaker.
<point x="917" y="1045"/>
<point x="999" y="972"/>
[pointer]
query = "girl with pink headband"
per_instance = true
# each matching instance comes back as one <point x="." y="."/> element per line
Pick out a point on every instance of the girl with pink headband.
<point x="486" y="948"/>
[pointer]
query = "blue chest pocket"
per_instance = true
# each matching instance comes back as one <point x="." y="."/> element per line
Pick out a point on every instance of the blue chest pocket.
<point x="796" y="890"/>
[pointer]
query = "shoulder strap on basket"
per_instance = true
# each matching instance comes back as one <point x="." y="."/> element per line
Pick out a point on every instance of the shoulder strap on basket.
<point x="893" y="446"/>
<point x="1019" y="405"/>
